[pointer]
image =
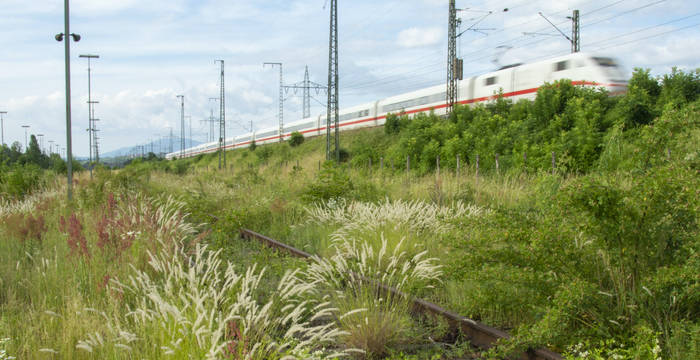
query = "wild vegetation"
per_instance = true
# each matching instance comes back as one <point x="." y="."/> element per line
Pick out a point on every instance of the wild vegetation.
<point x="596" y="256"/>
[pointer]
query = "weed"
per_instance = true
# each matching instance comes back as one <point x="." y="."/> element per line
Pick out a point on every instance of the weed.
<point x="76" y="240"/>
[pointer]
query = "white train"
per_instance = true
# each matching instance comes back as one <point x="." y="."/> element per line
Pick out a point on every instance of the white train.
<point x="515" y="82"/>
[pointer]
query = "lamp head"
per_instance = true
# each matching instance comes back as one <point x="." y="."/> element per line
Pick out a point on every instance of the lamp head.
<point x="76" y="37"/>
<point x="59" y="37"/>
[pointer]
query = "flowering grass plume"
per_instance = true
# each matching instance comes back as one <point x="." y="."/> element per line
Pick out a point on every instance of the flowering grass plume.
<point x="417" y="216"/>
<point x="373" y="319"/>
<point x="197" y="305"/>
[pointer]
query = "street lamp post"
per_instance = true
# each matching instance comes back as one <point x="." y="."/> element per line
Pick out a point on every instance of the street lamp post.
<point x="76" y="38"/>
<point x="182" y="125"/>
<point x="90" y="112"/>
<point x="41" y="142"/>
<point x="2" y="127"/>
<point x="25" y="137"/>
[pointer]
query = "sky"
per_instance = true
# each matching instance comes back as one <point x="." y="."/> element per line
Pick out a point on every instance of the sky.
<point x="152" y="51"/>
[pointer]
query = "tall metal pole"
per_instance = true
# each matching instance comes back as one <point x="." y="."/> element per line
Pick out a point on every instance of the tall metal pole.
<point x="93" y="131"/>
<point x="41" y="142"/>
<point x="2" y="127"/>
<point x="280" y="115"/>
<point x="25" y="137"/>
<point x="90" y="112"/>
<point x="332" y="108"/>
<point x="451" y="96"/>
<point x="182" y="125"/>
<point x="67" y="34"/>
<point x="575" y="34"/>
<point x="222" y="119"/>
<point x="69" y="141"/>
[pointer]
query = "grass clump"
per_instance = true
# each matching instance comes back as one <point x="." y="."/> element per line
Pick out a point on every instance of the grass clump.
<point x="375" y="321"/>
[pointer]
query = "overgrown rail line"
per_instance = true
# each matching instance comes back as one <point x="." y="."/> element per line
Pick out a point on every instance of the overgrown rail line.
<point x="479" y="335"/>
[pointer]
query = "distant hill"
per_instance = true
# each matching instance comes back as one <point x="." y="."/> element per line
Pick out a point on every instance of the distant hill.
<point x="155" y="145"/>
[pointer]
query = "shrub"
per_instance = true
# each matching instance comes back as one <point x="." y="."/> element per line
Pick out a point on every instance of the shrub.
<point x="18" y="181"/>
<point x="392" y="124"/>
<point x="296" y="139"/>
<point x="332" y="182"/>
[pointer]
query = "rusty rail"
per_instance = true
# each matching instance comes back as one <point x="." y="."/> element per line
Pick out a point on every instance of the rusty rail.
<point x="480" y="335"/>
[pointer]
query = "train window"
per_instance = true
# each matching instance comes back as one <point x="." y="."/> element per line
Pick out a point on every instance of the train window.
<point x="490" y="80"/>
<point x="562" y="65"/>
<point x="605" y="61"/>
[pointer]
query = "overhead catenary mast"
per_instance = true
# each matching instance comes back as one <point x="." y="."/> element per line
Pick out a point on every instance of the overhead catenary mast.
<point x="451" y="92"/>
<point x="332" y="108"/>
<point x="182" y="125"/>
<point x="280" y="114"/>
<point x="222" y="119"/>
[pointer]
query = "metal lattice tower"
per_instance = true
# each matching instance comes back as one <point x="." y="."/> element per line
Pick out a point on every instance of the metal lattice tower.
<point x="575" y="34"/>
<point x="451" y="94"/>
<point x="281" y="99"/>
<point x="332" y="109"/>
<point x="306" y="96"/>
<point x="212" y="121"/>
<point x="306" y="86"/>
<point x="182" y="125"/>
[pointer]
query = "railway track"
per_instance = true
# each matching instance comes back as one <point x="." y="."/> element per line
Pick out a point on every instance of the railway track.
<point x="480" y="335"/>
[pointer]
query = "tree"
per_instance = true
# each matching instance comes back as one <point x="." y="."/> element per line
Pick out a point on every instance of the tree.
<point x="33" y="154"/>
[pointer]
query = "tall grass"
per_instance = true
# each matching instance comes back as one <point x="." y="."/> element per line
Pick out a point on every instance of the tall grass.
<point x="374" y="320"/>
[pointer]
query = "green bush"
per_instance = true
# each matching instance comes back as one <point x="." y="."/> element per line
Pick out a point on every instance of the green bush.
<point x="332" y="182"/>
<point x="18" y="181"/>
<point x="296" y="139"/>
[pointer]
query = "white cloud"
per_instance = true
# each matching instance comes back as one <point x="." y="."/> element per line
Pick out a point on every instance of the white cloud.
<point x="416" y="37"/>
<point x="152" y="50"/>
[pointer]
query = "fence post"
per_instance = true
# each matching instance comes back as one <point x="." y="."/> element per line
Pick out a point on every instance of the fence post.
<point x="498" y="168"/>
<point x="370" y="165"/>
<point x="437" y="163"/>
<point x="381" y="164"/>
<point x="319" y="166"/>
<point x="392" y="165"/>
<point x="297" y="163"/>
<point x="668" y="154"/>
<point x="554" y="163"/>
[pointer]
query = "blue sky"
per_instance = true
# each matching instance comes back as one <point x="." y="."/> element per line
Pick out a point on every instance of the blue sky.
<point x="153" y="50"/>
